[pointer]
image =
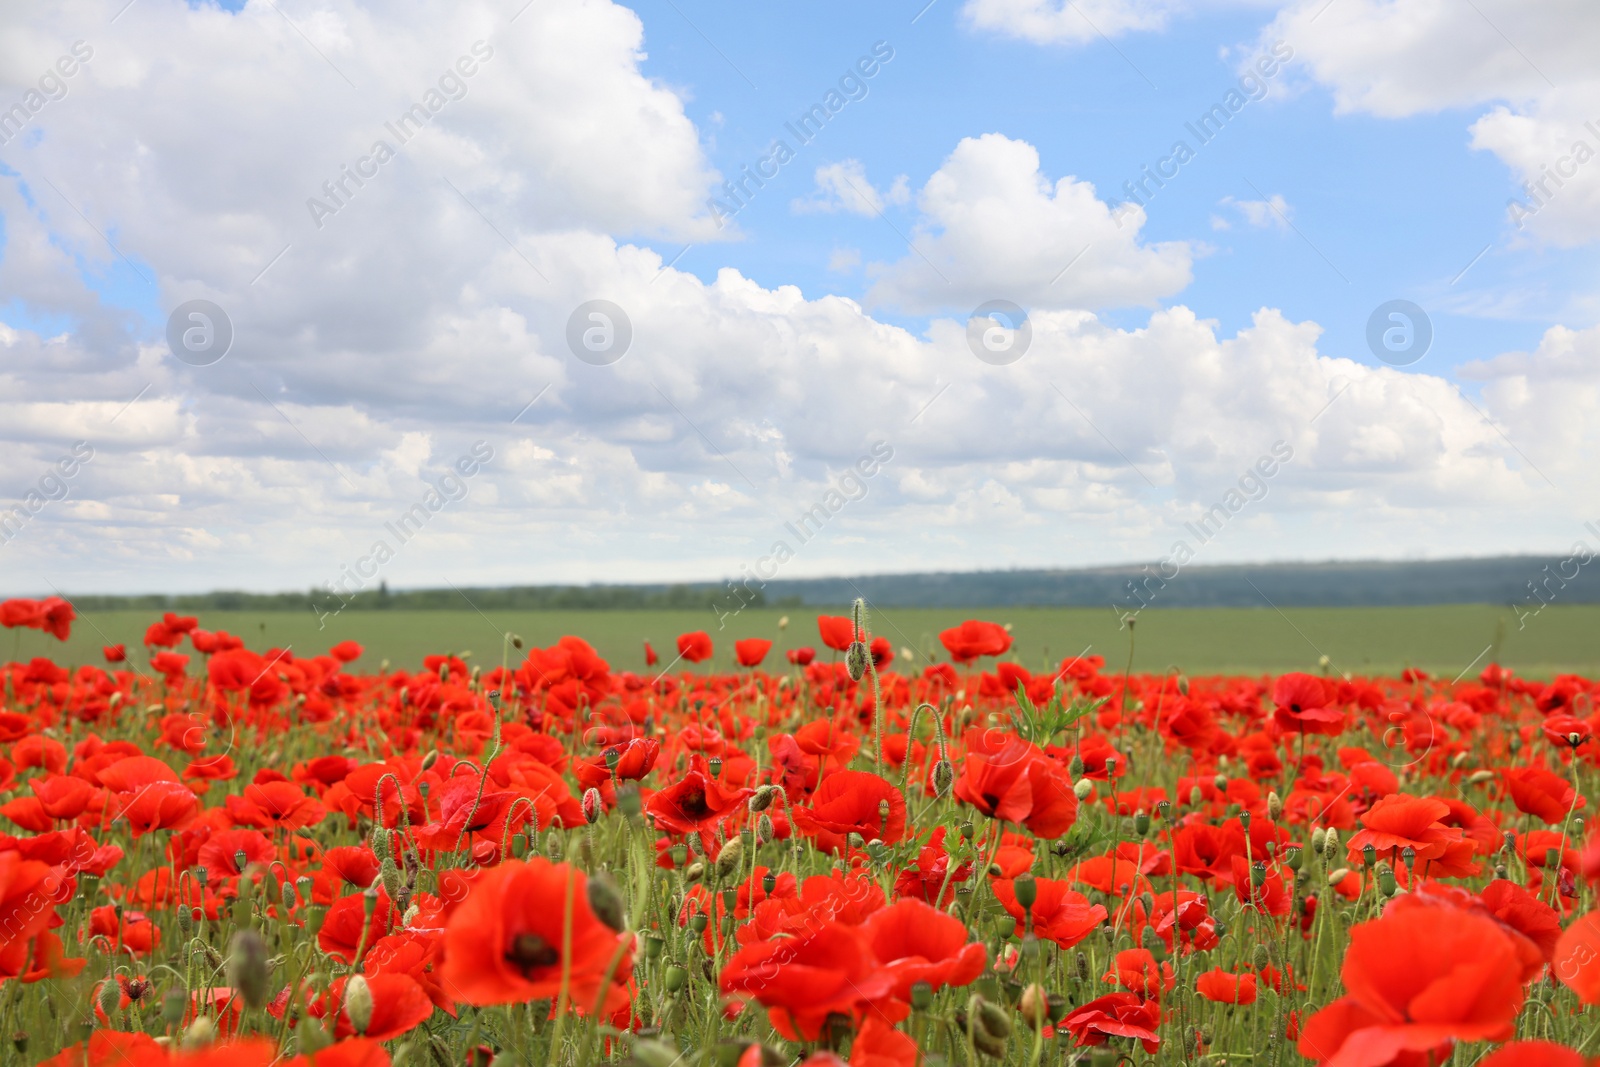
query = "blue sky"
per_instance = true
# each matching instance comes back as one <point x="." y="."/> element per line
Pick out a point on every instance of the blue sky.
<point x="1399" y="207"/>
<point x="1169" y="346"/>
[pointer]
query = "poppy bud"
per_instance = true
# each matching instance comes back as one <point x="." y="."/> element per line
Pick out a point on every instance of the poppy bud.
<point x="628" y="801"/>
<point x="694" y="872"/>
<point x="1552" y="858"/>
<point x="1196" y="797"/>
<point x="992" y="1025"/>
<point x="1082" y="963"/>
<point x="1330" y="841"/>
<point x="764" y="829"/>
<point x="110" y="997"/>
<point x="1479" y="777"/>
<point x="605" y="900"/>
<point x="185" y="923"/>
<point x="379" y="843"/>
<point x="855" y="661"/>
<point x="1151" y="942"/>
<point x="1105" y="1056"/>
<point x="286" y="895"/>
<point x="944" y="776"/>
<point x="554" y="847"/>
<point x="762" y="799"/>
<point x="675" y="978"/>
<point x="1335" y="877"/>
<point x="650" y="1053"/>
<point x="921" y="996"/>
<point x="174" y="1005"/>
<point x="1221" y="783"/>
<point x="1274" y="806"/>
<point x="1183" y="684"/>
<point x="247" y="968"/>
<point x="200" y="1034"/>
<point x="389" y="874"/>
<point x="1075" y="767"/>
<point x="592" y="805"/>
<point x="430" y="759"/>
<point x="1083" y="789"/>
<point x="730" y="859"/>
<point x="1317" y="840"/>
<point x="358" y="1003"/>
<point x="1035" y="1006"/>
<point x="1260" y="957"/>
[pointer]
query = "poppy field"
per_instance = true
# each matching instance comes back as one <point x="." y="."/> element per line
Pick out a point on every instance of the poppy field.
<point x="823" y="855"/>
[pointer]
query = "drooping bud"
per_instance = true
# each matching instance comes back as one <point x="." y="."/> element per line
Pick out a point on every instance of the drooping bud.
<point x="605" y="900"/>
<point x="110" y="997"/>
<point x="358" y="1003"/>
<point x="730" y="859"/>
<point x="248" y="972"/>
<point x="1035" y="1006"/>
<point x="201" y="1033"/>
<point x="855" y="660"/>
<point x="944" y="776"/>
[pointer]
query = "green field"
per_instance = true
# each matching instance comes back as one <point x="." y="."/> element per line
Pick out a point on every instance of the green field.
<point x="1442" y="640"/>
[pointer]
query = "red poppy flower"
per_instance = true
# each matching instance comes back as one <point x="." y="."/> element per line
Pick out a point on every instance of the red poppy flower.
<point x="975" y="638"/>
<point x="115" y="653"/>
<point x="696" y="801"/>
<point x="919" y="943"/>
<point x="399" y="1005"/>
<point x="803" y="980"/>
<point x="1577" y="958"/>
<point x="1303" y="707"/>
<point x="1418" y="980"/>
<point x="1542" y="793"/>
<point x="1060" y="913"/>
<point x="650" y="657"/>
<point x="838" y="632"/>
<point x="1006" y="777"/>
<point x="504" y="943"/>
<point x="801" y="657"/>
<point x="695" y="647"/>
<point x="345" y="651"/>
<point x="852" y="802"/>
<point x="751" y="651"/>
<point x="1224" y="987"/>
<point x="1115" y="1015"/>
<point x="1535" y="1054"/>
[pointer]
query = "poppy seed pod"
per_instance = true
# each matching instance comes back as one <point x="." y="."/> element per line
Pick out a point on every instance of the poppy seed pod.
<point x="675" y="978"/>
<point x="921" y="996"/>
<point x="1112" y="763"/>
<point x="358" y="1003"/>
<point x="1026" y="890"/>
<point x="1141" y="822"/>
